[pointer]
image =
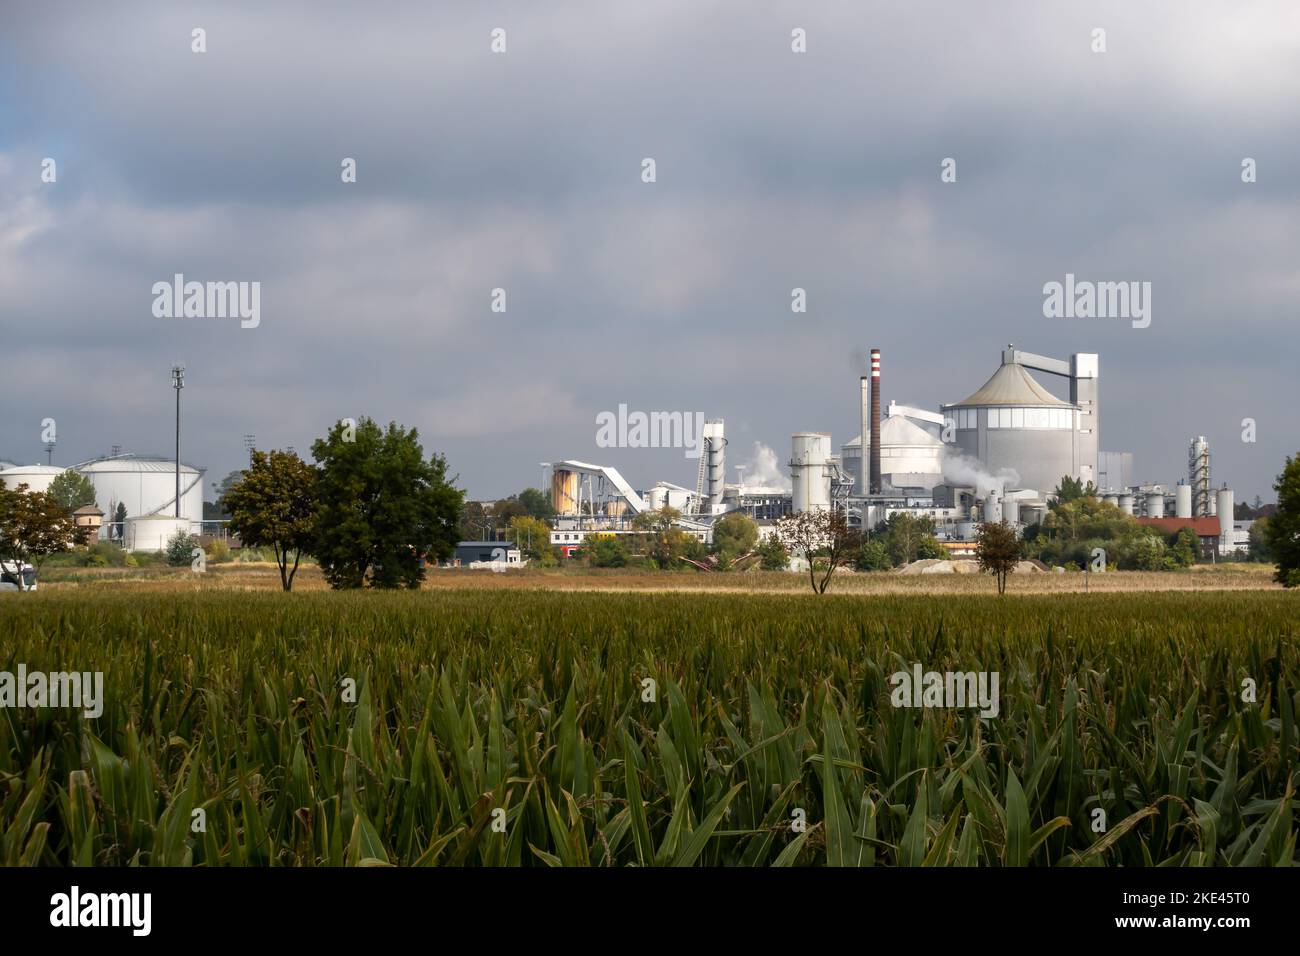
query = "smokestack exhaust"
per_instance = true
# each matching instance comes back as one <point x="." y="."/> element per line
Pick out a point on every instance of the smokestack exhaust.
<point x="875" y="421"/>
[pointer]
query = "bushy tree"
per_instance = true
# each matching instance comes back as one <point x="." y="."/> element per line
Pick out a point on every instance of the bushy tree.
<point x="533" y="537"/>
<point x="873" y="556"/>
<point x="72" y="490"/>
<point x="537" y="503"/>
<point x="605" y="552"/>
<point x="822" y="538"/>
<point x="734" y="534"/>
<point x="1258" y="537"/>
<point x="908" y="537"/>
<point x="33" y="526"/>
<point x="660" y="538"/>
<point x="998" y="551"/>
<point x="772" y="554"/>
<point x="1284" y="525"/>
<point x="1073" y="489"/>
<point x="273" y="503"/>
<point x="1184" y="547"/>
<point x="382" y="506"/>
<point x="180" y="548"/>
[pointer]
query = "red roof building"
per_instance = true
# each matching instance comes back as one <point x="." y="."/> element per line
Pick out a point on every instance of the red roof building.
<point x="1206" y="530"/>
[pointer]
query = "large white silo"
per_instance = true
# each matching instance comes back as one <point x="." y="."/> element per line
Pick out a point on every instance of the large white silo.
<point x="1225" y="507"/>
<point x="35" y="477"/>
<point x="1183" y="501"/>
<point x="809" y="476"/>
<point x="147" y="486"/>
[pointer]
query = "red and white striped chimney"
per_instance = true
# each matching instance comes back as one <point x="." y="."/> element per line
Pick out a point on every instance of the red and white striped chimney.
<point x="875" y="421"/>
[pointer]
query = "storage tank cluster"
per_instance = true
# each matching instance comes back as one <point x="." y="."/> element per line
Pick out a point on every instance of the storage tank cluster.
<point x="146" y="486"/>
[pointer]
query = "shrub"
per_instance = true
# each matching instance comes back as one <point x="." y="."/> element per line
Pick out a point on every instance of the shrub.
<point x="218" y="552"/>
<point x="180" y="549"/>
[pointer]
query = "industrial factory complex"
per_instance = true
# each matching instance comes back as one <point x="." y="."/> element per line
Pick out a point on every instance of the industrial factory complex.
<point x="997" y="455"/>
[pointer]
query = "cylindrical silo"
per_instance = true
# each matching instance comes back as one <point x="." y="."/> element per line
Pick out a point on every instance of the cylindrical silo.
<point x="993" y="508"/>
<point x="1111" y="500"/>
<point x="717" y="467"/>
<point x="145" y="487"/>
<point x="153" y="532"/>
<point x="1155" y="505"/>
<point x="809" y="478"/>
<point x="1011" y="511"/>
<point x="1126" y="504"/>
<point x="1225" y="504"/>
<point x="35" y="477"/>
<point x="564" y="491"/>
<point x="1183" y="501"/>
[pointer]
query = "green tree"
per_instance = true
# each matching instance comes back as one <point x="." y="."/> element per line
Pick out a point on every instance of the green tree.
<point x="1184" y="547"/>
<point x="772" y="554"/>
<point x="823" y="539"/>
<point x="537" y="503"/>
<point x="873" y="556"/>
<point x="1284" y="525"/>
<point x="213" y="510"/>
<point x="533" y="536"/>
<point x="660" y="537"/>
<point x="606" y="552"/>
<point x="71" y="490"/>
<point x="1258" y="536"/>
<point x="180" y="548"/>
<point x="33" y="526"/>
<point x="998" y="551"/>
<point x="734" y="534"/>
<point x="1072" y="489"/>
<point x="904" y="534"/>
<point x="1150" y="554"/>
<point x="119" y="523"/>
<point x="274" y="503"/>
<point x="382" y="507"/>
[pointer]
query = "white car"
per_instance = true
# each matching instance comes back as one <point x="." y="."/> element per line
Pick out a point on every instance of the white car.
<point x="14" y="578"/>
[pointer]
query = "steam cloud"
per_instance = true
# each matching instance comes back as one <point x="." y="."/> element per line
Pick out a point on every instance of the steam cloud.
<point x="763" y="470"/>
<point x="959" y="469"/>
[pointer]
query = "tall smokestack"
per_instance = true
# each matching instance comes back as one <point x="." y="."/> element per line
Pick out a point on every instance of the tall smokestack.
<point x="875" y="421"/>
<point x="864" y="426"/>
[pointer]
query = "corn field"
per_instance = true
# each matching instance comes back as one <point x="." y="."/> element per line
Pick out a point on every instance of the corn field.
<point x="546" y="729"/>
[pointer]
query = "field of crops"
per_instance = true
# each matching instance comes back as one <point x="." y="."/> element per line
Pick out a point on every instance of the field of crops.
<point x="537" y="728"/>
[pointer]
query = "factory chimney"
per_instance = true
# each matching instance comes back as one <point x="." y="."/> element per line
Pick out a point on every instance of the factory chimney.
<point x="875" y="421"/>
<point x="864" y="426"/>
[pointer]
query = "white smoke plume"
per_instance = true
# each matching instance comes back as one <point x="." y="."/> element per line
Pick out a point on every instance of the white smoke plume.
<point x="763" y="470"/>
<point x="967" y="472"/>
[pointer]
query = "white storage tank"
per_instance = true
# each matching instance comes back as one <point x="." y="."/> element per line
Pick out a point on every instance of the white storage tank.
<point x="1126" y="504"/>
<point x="993" y="508"/>
<point x="147" y="486"/>
<point x="1011" y="511"/>
<point x="1155" y="505"/>
<point x="35" y="477"/>
<point x="809" y="475"/>
<point x="1225" y="505"/>
<point x="152" y="532"/>
<point x="1183" y="501"/>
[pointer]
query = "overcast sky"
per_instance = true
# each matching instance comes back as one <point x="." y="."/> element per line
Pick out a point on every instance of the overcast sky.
<point x="775" y="170"/>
